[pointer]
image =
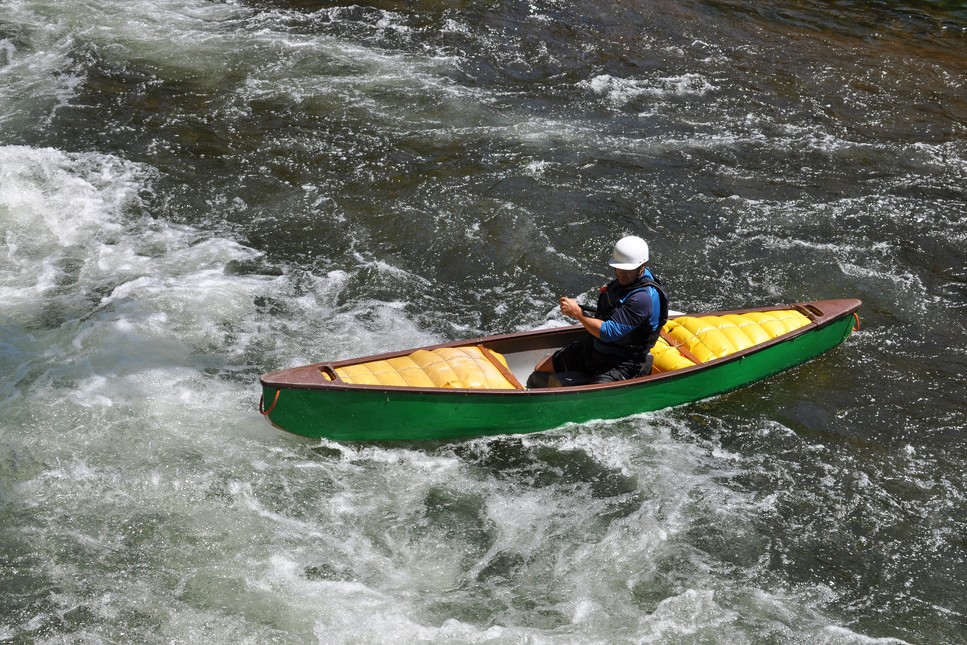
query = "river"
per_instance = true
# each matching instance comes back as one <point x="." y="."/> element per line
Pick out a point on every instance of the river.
<point x="195" y="192"/>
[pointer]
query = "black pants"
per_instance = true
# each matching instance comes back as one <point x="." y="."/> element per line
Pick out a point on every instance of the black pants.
<point x="582" y="356"/>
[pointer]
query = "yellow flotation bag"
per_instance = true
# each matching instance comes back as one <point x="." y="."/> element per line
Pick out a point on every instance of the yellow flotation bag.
<point x="444" y="367"/>
<point x="689" y="340"/>
<point x="668" y="358"/>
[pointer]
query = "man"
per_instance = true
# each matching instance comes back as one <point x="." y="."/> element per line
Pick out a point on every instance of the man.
<point x="632" y="309"/>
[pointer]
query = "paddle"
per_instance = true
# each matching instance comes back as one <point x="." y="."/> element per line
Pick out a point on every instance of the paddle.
<point x="590" y="311"/>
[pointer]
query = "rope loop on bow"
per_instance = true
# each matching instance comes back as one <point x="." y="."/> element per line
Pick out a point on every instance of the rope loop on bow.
<point x="265" y="412"/>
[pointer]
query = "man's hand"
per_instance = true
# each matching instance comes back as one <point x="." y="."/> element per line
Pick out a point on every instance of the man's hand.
<point x="571" y="308"/>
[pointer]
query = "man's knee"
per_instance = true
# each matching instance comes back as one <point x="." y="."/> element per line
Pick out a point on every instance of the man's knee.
<point x="557" y="379"/>
<point x="538" y="380"/>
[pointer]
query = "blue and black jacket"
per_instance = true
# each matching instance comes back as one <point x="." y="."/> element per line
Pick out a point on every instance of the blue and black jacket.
<point x="633" y="316"/>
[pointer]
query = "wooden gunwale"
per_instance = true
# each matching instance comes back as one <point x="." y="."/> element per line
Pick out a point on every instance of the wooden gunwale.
<point x="309" y="377"/>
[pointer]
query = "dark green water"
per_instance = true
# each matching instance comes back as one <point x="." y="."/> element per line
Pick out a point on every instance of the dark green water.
<point x="193" y="193"/>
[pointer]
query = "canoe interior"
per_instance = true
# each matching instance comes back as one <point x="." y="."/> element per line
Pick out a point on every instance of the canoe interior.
<point x="524" y="350"/>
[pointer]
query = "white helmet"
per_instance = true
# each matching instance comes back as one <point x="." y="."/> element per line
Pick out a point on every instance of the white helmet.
<point x="629" y="253"/>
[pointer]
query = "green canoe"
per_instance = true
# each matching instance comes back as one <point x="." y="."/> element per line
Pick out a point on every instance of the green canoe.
<point x="314" y="401"/>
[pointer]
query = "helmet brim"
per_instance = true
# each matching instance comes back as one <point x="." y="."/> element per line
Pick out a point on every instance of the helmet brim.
<point x="624" y="266"/>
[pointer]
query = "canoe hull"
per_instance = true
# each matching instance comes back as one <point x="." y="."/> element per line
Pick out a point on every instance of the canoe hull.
<point x="399" y="414"/>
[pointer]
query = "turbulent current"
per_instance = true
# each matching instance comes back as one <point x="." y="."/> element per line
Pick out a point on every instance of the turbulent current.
<point x="195" y="192"/>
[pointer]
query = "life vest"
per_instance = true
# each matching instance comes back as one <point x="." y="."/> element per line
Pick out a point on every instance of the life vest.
<point x="639" y="341"/>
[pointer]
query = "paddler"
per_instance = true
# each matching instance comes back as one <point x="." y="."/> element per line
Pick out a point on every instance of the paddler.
<point x="632" y="309"/>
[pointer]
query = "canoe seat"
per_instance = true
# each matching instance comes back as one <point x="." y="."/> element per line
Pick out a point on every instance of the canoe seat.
<point x="445" y="367"/>
<point x="690" y="340"/>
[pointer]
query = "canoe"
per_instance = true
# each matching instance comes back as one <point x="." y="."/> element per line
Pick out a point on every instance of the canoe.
<point x="473" y="387"/>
